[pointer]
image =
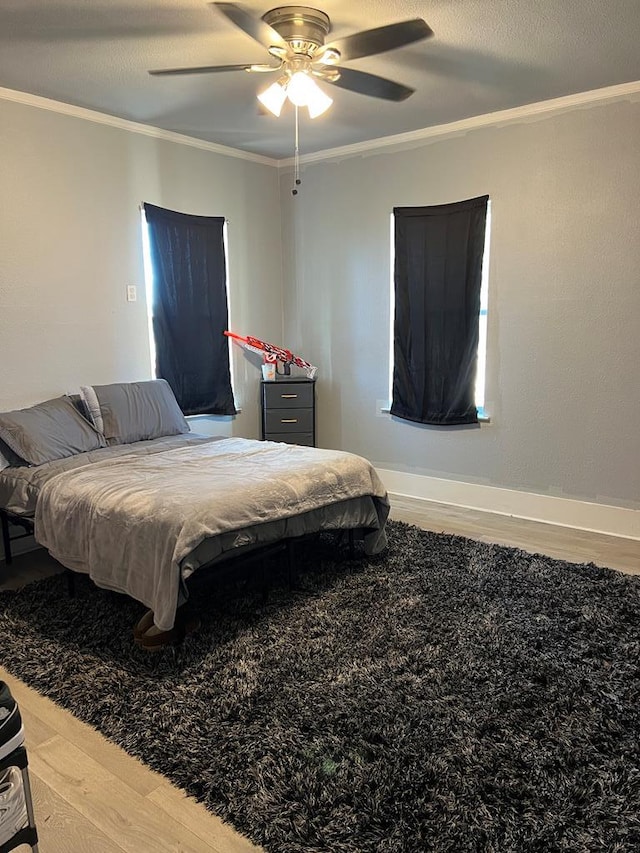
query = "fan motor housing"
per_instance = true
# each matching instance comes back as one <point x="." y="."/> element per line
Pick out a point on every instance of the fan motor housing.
<point x="303" y="28"/>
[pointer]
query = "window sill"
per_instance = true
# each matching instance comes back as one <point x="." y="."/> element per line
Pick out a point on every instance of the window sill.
<point x="483" y="417"/>
<point x="214" y="417"/>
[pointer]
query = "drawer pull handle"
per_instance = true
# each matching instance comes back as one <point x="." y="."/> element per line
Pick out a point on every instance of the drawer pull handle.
<point x="289" y="396"/>
<point x="288" y="420"/>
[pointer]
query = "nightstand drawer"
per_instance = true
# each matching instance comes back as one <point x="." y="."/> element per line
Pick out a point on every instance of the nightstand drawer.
<point x="289" y="411"/>
<point x="281" y="421"/>
<point x="303" y="438"/>
<point x="288" y="395"/>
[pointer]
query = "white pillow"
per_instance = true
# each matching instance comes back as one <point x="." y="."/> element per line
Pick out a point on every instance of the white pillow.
<point x="90" y="400"/>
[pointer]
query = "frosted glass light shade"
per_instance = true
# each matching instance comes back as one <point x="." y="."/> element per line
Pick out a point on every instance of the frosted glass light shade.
<point x="320" y="103"/>
<point x="301" y="89"/>
<point x="274" y="97"/>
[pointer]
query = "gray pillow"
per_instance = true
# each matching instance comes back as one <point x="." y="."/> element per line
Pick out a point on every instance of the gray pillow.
<point x="50" y="430"/>
<point x="8" y="457"/>
<point x="134" y="411"/>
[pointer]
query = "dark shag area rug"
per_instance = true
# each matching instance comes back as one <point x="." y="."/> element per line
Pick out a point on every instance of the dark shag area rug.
<point x="447" y="695"/>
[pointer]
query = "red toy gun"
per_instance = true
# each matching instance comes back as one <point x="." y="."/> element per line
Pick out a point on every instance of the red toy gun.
<point x="271" y="352"/>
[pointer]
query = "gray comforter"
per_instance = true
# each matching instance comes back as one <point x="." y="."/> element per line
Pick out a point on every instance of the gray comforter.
<point x="131" y="522"/>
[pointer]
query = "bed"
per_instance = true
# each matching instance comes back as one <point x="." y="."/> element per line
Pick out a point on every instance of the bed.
<point x="118" y="487"/>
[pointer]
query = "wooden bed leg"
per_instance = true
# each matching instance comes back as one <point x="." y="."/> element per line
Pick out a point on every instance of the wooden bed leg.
<point x="6" y="539"/>
<point x="71" y="583"/>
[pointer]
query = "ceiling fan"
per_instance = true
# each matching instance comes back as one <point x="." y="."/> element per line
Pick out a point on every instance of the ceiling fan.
<point x="294" y="37"/>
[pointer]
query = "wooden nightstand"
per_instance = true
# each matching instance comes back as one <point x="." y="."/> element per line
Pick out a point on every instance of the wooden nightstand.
<point x="289" y="410"/>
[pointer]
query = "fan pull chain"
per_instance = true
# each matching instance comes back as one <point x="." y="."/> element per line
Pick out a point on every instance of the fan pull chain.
<point x="296" y="156"/>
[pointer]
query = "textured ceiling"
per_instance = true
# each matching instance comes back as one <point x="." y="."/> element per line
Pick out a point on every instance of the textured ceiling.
<point x="485" y="56"/>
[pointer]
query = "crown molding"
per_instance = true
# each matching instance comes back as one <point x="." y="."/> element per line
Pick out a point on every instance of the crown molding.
<point x="132" y="126"/>
<point x="541" y="108"/>
<point x="516" y="114"/>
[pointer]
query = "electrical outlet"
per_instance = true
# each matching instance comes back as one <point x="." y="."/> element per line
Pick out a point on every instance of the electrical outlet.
<point x="132" y="293"/>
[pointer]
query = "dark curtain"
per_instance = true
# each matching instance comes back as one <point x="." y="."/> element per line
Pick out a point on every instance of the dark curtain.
<point x="190" y="309"/>
<point x="437" y="278"/>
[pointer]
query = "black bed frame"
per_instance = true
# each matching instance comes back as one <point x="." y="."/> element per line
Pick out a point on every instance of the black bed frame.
<point x="261" y="554"/>
<point x="7" y="538"/>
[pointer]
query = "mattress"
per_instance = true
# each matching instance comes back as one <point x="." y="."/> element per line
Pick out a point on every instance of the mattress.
<point x="141" y="518"/>
<point x="21" y="485"/>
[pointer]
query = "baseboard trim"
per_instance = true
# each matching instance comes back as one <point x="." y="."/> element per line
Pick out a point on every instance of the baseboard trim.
<point x="564" y="512"/>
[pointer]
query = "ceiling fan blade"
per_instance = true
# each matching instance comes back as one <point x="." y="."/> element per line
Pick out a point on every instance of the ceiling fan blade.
<point x="371" y="84"/>
<point x="252" y="26"/>
<point x="380" y="39"/>
<point x="211" y="69"/>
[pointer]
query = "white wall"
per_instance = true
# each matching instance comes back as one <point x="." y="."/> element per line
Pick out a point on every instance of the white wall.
<point x="70" y="243"/>
<point x="563" y="370"/>
<point x="564" y="329"/>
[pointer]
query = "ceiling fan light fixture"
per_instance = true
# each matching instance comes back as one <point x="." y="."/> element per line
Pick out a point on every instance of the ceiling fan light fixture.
<point x="295" y="36"/>
<point x="303" y="91"/>
<point x="320" y="103"/>
<point x="274" y="96"/>
<point x="300" y="90"/>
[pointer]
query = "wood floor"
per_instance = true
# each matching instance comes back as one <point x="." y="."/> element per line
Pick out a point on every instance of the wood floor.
<point x="91" y="797"/>
<point x="563" y="543"/>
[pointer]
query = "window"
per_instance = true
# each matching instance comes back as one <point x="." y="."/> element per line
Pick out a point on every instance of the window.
<point x="483" y="319"/>
<point x="186" y="256"/>
<point x="439" y="312"/>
